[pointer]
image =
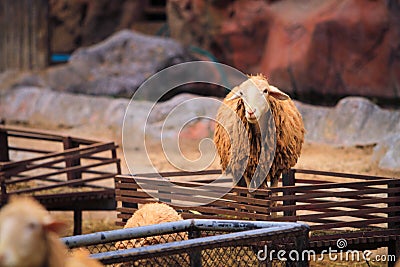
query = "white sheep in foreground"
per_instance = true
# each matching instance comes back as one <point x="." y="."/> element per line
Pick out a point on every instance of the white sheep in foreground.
<point x="246" y="105"/>
<point x="149" y="214"/>
<point x="29" y="238"/>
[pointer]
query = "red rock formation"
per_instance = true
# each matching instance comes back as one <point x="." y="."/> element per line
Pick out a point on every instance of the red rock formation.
<point x="340" y="48"/>
<point x="330" y="47"/>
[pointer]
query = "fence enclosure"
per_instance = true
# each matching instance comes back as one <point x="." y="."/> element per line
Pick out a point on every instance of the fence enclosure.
<point x="365" y="210"/>
<point x="64" y="173"/>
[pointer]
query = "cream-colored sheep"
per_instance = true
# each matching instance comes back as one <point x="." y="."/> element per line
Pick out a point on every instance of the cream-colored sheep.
<point x="148" y="214"/>
<point x="249" y="102"/>
<point x="29" y="237"/>
<point x="80" y="258"/>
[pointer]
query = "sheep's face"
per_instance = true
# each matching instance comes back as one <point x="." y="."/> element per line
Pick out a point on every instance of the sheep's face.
<point x="24" y="226"/>
<point x="254" y="93"/>
<point x="21" y="241"/>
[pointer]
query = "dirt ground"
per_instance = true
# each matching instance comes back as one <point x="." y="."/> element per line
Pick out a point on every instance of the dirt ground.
<point x="321" y="157"/>
<point x="314" y="156"/>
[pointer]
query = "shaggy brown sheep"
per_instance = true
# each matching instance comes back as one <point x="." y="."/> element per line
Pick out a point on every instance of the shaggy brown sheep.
<point x="244" y="116"/>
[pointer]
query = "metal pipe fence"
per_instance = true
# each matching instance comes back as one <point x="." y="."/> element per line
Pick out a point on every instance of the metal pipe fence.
<point x="197" y="242"/>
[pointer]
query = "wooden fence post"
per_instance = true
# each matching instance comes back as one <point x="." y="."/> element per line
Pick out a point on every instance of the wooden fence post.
<point x="4" y="157"/>
<point x="4" y="195"/>
<point x="288" y="179"/>
<point x="4" y="151"/>
<point x="394" y="245"/>
<point x="114" y="156"/>
<point x="69" y="143"/>
<point x="77" y="221"/>
<point x="24" y="37"/>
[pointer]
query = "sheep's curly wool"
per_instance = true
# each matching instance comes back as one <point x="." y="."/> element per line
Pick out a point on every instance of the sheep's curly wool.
<point x="235" y="130"/>
<point x="148" y="214"/>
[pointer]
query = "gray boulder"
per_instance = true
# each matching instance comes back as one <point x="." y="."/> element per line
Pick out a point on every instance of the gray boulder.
<point x="354" y="121"/>
<point x="47" y="108"/>
<point x="116" y="66"/>
<point x="387" y="153"/>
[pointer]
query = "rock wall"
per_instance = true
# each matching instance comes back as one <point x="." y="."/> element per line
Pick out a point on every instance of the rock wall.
<point x="354" y="121"/>
<point x="309" y="48"/>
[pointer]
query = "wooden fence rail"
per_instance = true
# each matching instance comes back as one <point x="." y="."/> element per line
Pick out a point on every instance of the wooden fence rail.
<point x="363" y="209"/>
<point x="69" y="174"/>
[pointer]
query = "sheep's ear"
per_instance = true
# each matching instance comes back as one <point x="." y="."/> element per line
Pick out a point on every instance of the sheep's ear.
<point x="235" y="95"/>
<point x="52" y="225"/>
<point x="275" y="92"/>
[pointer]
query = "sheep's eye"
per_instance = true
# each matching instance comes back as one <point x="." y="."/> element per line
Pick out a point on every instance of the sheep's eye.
<point x="265" y="91"/>
<point x="32" y="226"/>
<point x="241" y="93"/>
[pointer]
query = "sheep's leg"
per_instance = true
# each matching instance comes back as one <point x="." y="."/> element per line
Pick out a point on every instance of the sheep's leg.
<point x="263" y="197"/>
<point x="241" y="183"/>
<point x="274" y="183"/>
<point x="246" y="183"/>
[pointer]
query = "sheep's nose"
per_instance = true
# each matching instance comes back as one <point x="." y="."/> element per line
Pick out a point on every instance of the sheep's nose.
<point x="251" y="112"/>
